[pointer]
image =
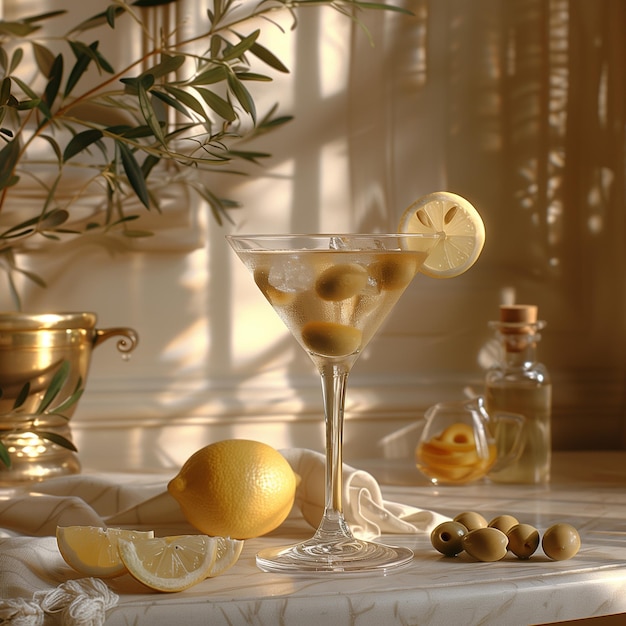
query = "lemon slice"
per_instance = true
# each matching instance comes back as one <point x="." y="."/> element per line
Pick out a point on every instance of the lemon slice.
<point x="92" y="551"/>
<point x="227" y="554"/>
<point x="455" y="217"/>
<point x="169" y="563"/>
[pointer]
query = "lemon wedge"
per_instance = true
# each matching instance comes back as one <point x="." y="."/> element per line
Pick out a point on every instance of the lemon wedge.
<point x="226" y="555"/>
<point x="169" y="563"/>
<point x="164" y="563"/>
<point x="462" y="226"/>
<point x="93" y="551"/>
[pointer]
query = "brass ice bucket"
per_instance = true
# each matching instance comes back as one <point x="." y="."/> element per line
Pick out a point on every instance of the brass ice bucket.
<point x="33" y="350"/>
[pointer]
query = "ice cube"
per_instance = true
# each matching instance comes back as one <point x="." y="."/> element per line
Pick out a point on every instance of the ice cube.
<point x="337" y="243"/>
<point x="291" y="275"/>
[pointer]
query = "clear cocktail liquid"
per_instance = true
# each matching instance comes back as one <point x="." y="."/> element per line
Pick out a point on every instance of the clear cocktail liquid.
<point x="333" y="301"/>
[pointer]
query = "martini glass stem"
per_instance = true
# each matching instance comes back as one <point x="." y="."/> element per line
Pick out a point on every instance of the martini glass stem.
<point x="334" y="379"/>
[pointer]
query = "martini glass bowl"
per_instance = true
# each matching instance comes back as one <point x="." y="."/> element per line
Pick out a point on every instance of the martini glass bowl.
<point x="333" y="292"/>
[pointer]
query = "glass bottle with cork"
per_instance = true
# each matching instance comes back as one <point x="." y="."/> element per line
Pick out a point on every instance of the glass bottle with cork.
<point x="520" y="384"/>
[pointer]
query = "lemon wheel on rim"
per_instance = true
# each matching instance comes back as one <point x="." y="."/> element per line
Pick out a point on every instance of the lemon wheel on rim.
<point x="458" y="220"/>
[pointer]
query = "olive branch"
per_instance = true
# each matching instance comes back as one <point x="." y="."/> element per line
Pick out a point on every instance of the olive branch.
<point x="179" y="113"/>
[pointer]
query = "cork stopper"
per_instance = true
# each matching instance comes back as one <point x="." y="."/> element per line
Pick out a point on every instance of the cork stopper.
<point x="517" y="321"/>
<point x="522" y="314"/>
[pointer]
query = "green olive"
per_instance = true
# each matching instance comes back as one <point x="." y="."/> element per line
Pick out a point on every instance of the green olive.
<point x="523" y="540"/>
<point x="448" y="538"/>
<point x="503" y="523"/>
<point x="394" y="271"/>
<point x="330" y="339"/>
<point x="486" y="544"/>
<point x="561" y="542"/>
<point x="471" y="520"/>
<point x="340" y="282"/>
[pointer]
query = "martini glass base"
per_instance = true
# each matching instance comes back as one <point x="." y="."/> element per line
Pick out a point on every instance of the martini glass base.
<point x="346" y="555"/>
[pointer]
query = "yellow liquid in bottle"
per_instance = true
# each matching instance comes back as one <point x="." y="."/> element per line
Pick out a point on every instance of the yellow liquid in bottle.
<point x="534" y="402"/>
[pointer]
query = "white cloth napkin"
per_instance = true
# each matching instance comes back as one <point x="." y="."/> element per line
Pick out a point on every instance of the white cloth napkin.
<point x="365" y="510"/>
<point x="122" y="500"/>
<point x="28" y="564"/>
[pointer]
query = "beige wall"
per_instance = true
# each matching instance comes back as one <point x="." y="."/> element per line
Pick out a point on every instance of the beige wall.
<point x="521" y="112"/>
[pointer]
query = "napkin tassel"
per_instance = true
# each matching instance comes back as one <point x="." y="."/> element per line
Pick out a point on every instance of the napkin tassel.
<point x="81" y="602"/>
<point x="20" y="612"/>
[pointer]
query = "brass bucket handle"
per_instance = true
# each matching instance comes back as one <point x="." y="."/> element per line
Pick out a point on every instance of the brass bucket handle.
<point x="127" y="344"/>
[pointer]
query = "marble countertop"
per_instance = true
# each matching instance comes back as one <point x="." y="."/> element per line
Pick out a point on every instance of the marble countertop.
<point x="588" y="490"/>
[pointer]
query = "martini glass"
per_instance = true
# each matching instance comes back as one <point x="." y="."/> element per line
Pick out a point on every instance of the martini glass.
<point x="333" y="292"/>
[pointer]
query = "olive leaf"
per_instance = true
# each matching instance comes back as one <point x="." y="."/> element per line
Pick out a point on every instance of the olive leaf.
<point x="209" y="77"/>
<point x="242" y="95"/>
<point x="85" y="55"/>
<point x="218" y="104"/>
<point x="5" y="457"/>
<point x="56" y="384"/>
<point x="134" y="173"/>
<point x="267" y="56"/>
<point x="58" y="439"/>
<point x="186" y="100"/>
<point x="21" y="396"/>
<point x="43" y="57"/>
<point x="5" y="90"/>
<point x="148" y="111"/>
<point x="80" y="141"/>
<point x="9" y="156"/>
<point x="236" y="51"/>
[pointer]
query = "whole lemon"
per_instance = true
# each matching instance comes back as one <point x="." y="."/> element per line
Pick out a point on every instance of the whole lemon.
<point x="235" y="488"/>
